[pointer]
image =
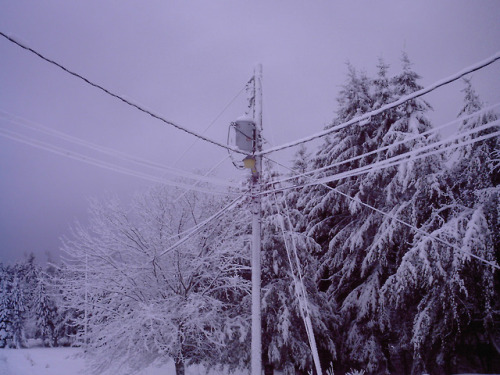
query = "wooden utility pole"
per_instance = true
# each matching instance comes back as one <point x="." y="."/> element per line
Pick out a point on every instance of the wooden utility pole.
<point x="256" y="365"/>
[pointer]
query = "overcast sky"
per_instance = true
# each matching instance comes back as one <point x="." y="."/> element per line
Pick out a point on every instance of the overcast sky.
<point x="186" y="60"/>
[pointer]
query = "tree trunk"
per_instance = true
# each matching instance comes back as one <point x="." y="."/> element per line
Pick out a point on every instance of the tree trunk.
<point x="180" y="369"/>
<point x="268" y="369"/>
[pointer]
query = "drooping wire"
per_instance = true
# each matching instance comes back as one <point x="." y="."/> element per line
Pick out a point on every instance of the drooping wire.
<point x="121" y="98"/>
<point x="362" y="118"/>
<point x="409" y="139"/>
<point x="18" y="120"/>
<point x="418" y="153"/>
<point x="300" y="290"/>
<point x="206" y="174"/>
<point x="379" y="165"/>
<point x="192" y="231"/>
<point x="210" y="125"/>
<point x="204" y="131"/>
<point x="368" y="169"/>
<point x="402" y="159"/>
<point x="99" y="163"/>
<point x="414" y="228"/>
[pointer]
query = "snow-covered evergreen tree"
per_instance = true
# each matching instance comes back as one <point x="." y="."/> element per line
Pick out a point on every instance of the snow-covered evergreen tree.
<point x="476" y="169"/>
<point x="329" y="219"/>
<point x="16" y="299"/>
<point x="46" y="313"/>
<point x="19" y="308"/>
<point x="298" y="198"/>
<point x="379" y="241"/>
<point x="361" y="246"/>
<point x="445" y="290"/>
<point x="321" y="204"/>
<point x="285" y="341"/>
<point x="405" y="300"/>
<point x="5" y="306"/>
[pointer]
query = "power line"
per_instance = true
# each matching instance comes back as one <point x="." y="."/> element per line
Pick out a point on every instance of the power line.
<point x="395" y="161"/>
<point x="99" y="163"/>
<point x="192" y="231"/>
<point x="126" y="101"/>
<point x="402" y="158"/>
<point x="206" y="174"/>
<point x="108" y="151"/>
<point x="300" y="290"/>
<point x="368" y="115"/>
<point x="413" y="138"/>
<point x="418" y="230"/>
<point x="211" y="124"/>
<point x="189" y="233"/>
<point x="204" y="131"/>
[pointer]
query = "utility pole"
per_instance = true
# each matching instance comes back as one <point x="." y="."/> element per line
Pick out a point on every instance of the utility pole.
<point x="256" y="188"/>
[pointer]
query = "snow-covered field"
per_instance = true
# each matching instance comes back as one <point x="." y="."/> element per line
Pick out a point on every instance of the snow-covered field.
<point x="63" y="361"/>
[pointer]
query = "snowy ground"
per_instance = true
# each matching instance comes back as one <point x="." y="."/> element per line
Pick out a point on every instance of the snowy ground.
<point x="62" y="361"/>
<point x="66" y="361"/>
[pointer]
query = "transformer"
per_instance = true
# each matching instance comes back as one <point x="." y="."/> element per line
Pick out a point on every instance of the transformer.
<point x="245" y="133"/>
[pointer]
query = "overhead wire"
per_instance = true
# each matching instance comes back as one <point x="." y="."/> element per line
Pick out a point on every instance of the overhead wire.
<point x="417" y="153"/>
<point x="121" y="98"/>
<point x="325" y="132"/>
<point x="217" y="165"/>
<point x="366" y="116"/>
<point x="192" y="231"/>
<point x="299" y="287"/>
<point x="409" y="139"/>
<point x="358" y="119"/>
<point x="204" y="131"/>
<point x="414" y="228"/>
<point x="18" y="120"/>
<point x="99" y="163"/>
<point x="380" y="165"/>
<point x="93" y="161"/>
<point x="403" y="159"/>
<point x="211" y="123"/>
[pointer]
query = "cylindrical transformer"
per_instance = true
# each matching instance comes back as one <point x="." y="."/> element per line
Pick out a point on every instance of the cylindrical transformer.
<point x="245" y="133"/>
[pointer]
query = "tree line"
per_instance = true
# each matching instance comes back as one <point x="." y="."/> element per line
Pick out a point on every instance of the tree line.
<point x="398" y="246"/>
<point x="397" y="261"/>
<point x="31" y="307"/>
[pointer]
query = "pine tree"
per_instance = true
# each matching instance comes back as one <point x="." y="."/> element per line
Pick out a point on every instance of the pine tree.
<point x="330" y="222"/>
<point x="46" y="313"/>
<point x="322" y="204"/>
<point x="475" y="184"/>
<point x="27" y="309"/>
<point x="475" y="170"/>
<point x="296" y="199"/>
<point x="361" y="247"/>
<point x="6" y="314"/>
<point x="285" y="341"/>
<point x="442" y="287"/>
<point x="19" y="308"/>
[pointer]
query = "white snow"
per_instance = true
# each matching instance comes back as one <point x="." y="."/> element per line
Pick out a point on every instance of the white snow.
<point x="66" y="361"/>
<point x="394" y="104"/>
<point x="245" y="118"/>
<point x="41" y="361"/>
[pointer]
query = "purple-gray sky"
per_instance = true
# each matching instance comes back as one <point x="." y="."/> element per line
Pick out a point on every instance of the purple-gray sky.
<point x="186" y="60"/>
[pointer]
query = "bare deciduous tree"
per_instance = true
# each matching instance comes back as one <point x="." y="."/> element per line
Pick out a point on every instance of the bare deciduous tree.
<point x="147" y="296"/>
